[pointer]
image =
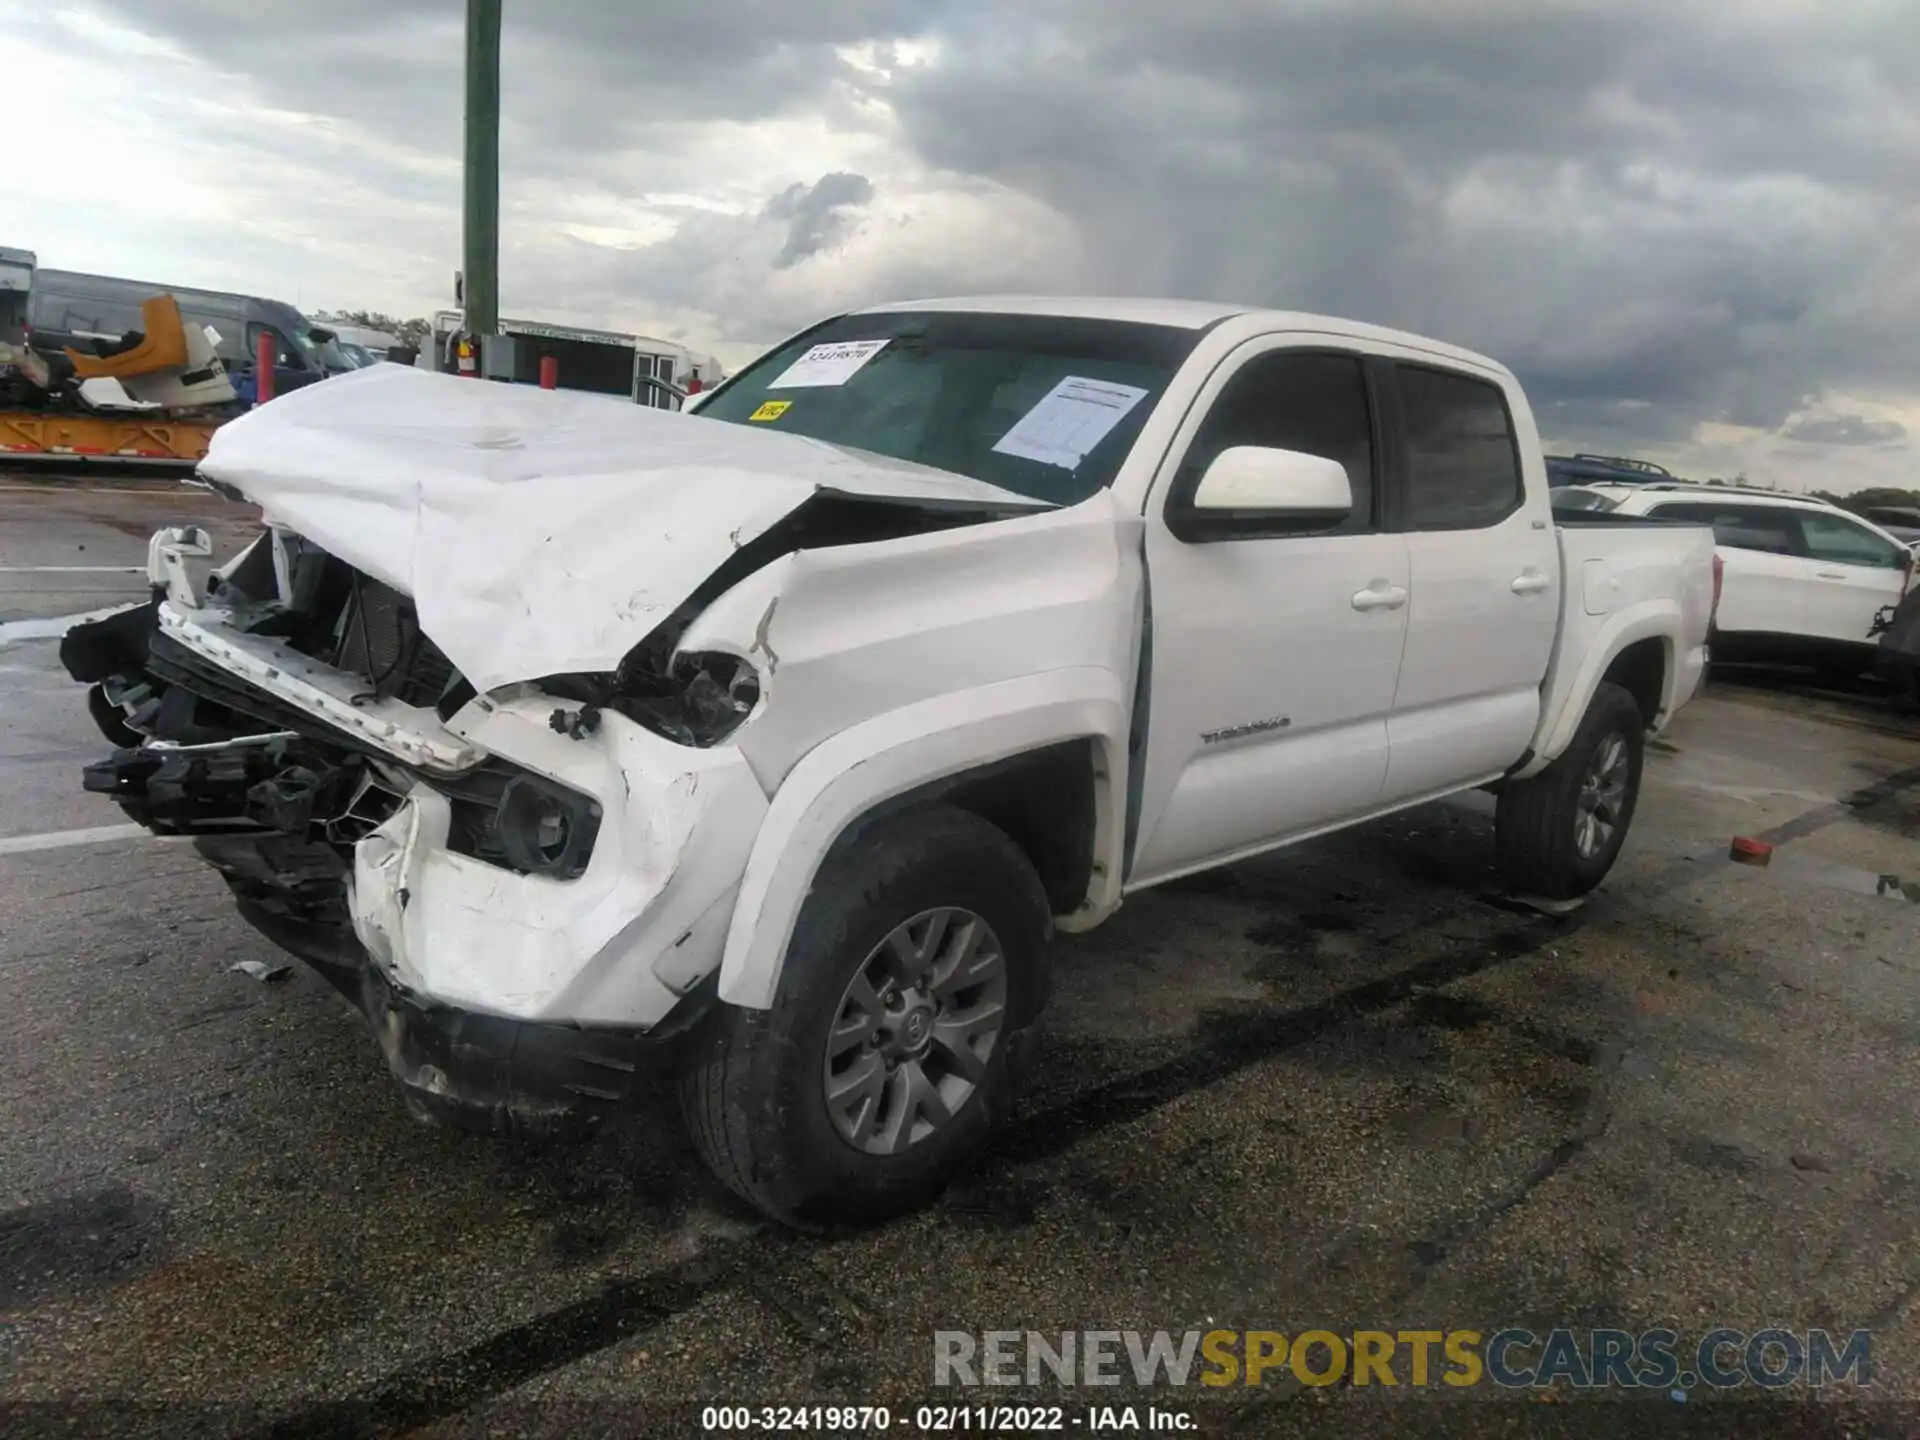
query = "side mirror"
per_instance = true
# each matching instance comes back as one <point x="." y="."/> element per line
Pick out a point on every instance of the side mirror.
<point x="1250" y="490"/>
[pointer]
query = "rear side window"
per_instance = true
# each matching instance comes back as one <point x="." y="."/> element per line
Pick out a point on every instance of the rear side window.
<point x="1768" y="529"/>
<point x="1837" y="540"/>
<point x="1462" y="463"/>
<point x="1310" y="401"/>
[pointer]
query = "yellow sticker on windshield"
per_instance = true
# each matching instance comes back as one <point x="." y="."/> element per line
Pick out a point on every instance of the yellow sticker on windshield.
<point x="772" y="410"/>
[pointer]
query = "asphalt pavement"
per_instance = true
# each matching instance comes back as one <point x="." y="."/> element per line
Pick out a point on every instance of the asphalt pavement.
<point x="1342" y="1088"/>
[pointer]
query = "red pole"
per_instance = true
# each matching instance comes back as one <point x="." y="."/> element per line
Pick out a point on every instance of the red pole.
<point x="549" y="373"/>
<point x="263" y="352"/>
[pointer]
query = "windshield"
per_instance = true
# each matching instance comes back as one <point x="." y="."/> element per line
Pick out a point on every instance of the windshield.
<point x="327" y="346"/>
<point x="303" y="342"/>
<point x="1041" y="405"/>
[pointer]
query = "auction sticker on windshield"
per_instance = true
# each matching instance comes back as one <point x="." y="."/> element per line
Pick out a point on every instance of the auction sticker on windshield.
<point x="828" y="364"/>
<point x="1069" y="421"/>
<point x="772" y="410"/>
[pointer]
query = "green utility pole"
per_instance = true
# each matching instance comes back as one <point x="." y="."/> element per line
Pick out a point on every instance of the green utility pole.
<point x="480" y="279"/>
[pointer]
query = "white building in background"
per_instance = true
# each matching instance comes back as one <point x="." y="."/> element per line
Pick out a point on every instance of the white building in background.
<point x="606" y="362"/>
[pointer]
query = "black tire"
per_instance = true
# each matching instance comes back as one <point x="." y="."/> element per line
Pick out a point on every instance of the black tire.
<point x="1537" y="819"/>
<point x="752" y="1081"/>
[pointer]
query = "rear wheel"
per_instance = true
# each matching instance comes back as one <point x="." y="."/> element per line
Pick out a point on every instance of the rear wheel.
<point x="1558" y="833"/>
<point x="890" y="1054"/>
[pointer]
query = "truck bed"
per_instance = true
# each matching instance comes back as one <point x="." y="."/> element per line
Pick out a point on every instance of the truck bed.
<point x="1625" y="579"/>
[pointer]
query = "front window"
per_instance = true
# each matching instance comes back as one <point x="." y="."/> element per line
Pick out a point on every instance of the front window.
<point x="286" y="354"/>
<point x="326" y="351"/>
<point x="1045" y="406"/>
<point x="1839" y="541"/>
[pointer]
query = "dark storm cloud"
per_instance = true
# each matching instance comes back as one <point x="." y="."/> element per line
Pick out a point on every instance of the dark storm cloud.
<point x="1848" y="430"/>
<point x="576" y="73"/>
<point x="1657" y="214"/>
<point x="817" y="215"/>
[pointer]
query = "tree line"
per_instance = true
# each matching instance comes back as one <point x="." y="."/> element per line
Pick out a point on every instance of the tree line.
<point x="412" y="332"/>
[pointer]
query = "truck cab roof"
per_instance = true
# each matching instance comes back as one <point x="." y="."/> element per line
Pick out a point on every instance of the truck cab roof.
<point x="1186" y="315"/>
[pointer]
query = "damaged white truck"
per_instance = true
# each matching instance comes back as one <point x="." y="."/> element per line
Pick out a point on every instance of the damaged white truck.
<point x="776" y="738"/>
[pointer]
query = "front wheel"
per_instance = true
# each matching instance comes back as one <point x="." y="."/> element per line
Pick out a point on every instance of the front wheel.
<point x="888" y="1058"/>
<point x="1558" y="833"/>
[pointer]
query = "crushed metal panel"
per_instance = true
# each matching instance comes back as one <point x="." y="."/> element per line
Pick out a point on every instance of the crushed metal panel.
<point x="537" y="531"/>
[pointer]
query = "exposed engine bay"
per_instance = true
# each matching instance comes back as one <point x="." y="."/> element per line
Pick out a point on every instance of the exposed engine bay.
<point x="488" y="725"/>
<point x="278" y="798"/>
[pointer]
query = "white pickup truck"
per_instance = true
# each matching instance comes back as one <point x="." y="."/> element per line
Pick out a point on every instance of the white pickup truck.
<point x="778" y="737"/>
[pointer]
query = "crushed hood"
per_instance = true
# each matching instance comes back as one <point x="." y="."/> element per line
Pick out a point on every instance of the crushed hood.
<point x="538" y="531"/>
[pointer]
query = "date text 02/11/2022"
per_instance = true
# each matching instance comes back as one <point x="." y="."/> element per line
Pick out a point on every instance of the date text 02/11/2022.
<point x="945" y="1419"/>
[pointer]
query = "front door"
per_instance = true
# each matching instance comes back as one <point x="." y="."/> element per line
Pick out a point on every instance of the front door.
<point x="1853" y="573"/>
<point x="1485" y="565"/>
<point x="1274" y="652"/>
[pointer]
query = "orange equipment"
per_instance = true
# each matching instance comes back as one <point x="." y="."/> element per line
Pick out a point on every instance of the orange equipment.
<point x="164" y="348"/>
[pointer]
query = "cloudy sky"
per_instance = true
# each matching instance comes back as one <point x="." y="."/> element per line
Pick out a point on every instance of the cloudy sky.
<point x="1693" y="229"/>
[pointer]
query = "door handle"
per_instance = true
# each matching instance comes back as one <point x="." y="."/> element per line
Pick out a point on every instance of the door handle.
<point x="1380" y="597"/>
<point x="1530" y="583"/>
<point x="1831" y="574"/>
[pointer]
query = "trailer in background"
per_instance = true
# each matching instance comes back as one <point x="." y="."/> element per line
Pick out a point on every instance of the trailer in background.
<point x="638" y="368"/>
<point x="16" y="283"/>
<point x="155" y="392"/>
<point x="70" y="309"/>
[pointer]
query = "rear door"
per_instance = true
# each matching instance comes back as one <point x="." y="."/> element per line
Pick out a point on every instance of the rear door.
<point x="1485" y="568"/>
<point x="1275" y="647"/>
<point x="1854" y="573"/>
<point x="1766" y="579"/>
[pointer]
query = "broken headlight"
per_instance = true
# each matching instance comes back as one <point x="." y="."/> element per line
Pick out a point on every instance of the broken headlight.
<point x="696" y="699"/>
<point x="546" y="829"/>
<point x="522" y="822"/>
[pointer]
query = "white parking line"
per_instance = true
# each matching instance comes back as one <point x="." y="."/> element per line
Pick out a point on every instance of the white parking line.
<point x="66" y="839"/>
<point x="13" y="630"/>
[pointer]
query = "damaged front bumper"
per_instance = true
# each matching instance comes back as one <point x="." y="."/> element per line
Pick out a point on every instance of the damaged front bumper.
<point x="360" y="833"/>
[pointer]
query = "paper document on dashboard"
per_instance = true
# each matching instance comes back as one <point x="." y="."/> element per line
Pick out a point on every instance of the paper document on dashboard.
<point x="1069" y="421"/>
<point x="827" y="365"/>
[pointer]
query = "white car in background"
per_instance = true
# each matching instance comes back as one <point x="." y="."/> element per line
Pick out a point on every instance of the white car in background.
<point x="1802" y="579"/>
